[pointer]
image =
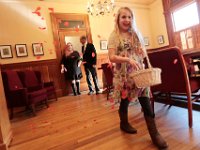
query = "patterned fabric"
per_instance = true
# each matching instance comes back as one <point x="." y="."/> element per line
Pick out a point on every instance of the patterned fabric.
<point x="124" y="86"/>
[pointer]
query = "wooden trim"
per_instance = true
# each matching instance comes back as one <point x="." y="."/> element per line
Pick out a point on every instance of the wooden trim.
<point x="24" y="64"/>
<point x="50" y="70"/>
<point x="168" y="20"/>
<point x="56" y="17"/>
<point x="188" y="90"/>
<point x="180" y="4"/>
<point x="155" y="49"/>
<point x="174" y="37"/>
<point x="198" y="8"/>
<point x="88" y="30"/>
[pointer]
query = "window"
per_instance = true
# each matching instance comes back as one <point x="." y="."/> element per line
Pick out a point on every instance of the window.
<point x="186" y="39"/>
<point x="185" y="17"/>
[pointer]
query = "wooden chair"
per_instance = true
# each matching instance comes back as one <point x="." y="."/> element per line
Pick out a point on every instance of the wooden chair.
<point x="49" y="86"/>
<point x="30" y="81"/>
<point x="174" y="75"/>
<point x="108" y="72"/>
<point x="17" y="95"/>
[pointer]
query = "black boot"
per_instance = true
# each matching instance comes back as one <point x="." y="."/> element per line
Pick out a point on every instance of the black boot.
<point x="156" y="138"/>
<point x="73" y="89"/>
<point x="123" y="114"/>
<point x="78" y="88"/>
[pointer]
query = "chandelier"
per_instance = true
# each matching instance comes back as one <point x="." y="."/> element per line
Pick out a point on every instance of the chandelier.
<point x="102" y="7"/>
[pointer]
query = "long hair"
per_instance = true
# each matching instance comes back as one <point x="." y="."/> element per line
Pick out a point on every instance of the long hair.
<point x="133" y="29"/>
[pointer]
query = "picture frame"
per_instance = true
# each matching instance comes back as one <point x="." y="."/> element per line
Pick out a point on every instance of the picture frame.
<point x="160" y="39"/>
<point x="6" y="51"/>
<point x="146" y="41"/>
<point x="103" y="44"/>
<point x="37" y="49"/>
<point x="21" y="50"/>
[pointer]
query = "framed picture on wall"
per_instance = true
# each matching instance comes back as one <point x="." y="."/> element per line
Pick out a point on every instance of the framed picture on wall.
<point x="146" y="41"/>
<point x="6" y="51"/>
<point x="103" y="44"/>
<point x="161" y="39"/>
<point x="37" y="49"/>
<point x="21" y="50"/>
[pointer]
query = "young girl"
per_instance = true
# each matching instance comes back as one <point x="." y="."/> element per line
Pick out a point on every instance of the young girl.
<point x="126" y="49"/>
<point x="70" y="65"/>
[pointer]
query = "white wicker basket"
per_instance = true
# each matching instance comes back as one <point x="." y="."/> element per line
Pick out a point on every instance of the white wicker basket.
<point x="147" y="77"/>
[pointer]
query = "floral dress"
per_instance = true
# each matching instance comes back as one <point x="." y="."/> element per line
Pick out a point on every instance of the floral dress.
<point x="124" y="86"/>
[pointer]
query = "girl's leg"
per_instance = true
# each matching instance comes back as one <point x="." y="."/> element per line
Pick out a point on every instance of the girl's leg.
<point x="123" y="115"/>
<point x="151" y="125"/>
<point x="73" y="87"/>
<point x="78" y="87"/>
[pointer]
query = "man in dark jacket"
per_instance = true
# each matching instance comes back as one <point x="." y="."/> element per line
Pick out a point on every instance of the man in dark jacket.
<point x="89" y="61"/>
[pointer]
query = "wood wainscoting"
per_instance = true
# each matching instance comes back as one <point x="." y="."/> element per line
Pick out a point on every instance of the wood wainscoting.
<point x="50" y="70"/>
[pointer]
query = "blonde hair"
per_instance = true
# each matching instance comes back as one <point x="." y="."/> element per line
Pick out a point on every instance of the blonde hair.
<point x="133" y="30"/>
<point x="66" y="50"/>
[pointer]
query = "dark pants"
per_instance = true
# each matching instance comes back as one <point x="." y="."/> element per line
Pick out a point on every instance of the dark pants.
<point x="92" y="70"/>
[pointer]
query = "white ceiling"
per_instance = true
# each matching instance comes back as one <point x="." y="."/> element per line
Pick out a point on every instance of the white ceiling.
<point x="142" y="2"/>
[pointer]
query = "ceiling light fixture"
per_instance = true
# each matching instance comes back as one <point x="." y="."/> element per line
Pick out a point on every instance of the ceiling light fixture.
<point x="100" y="8"/>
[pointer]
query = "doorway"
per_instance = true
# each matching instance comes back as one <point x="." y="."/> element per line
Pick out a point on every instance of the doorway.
<point x="69" y="28"/>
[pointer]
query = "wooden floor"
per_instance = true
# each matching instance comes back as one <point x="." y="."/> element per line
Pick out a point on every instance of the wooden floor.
<point x="91" y="123"/>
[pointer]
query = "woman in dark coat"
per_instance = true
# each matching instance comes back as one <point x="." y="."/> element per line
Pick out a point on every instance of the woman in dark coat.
<point x="70" y="66"/>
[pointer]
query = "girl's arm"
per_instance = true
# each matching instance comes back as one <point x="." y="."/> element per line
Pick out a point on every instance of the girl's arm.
<point x="119" y="59"/>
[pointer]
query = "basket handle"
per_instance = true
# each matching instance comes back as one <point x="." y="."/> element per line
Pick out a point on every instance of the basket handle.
<point x="148" y="62"/>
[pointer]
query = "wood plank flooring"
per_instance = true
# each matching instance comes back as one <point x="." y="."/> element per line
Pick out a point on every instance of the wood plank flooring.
<point x="91" y="123"/>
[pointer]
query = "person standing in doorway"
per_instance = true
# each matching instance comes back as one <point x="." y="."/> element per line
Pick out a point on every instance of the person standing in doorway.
<point x="70" y="66"/>
<point x="89" y="61"/>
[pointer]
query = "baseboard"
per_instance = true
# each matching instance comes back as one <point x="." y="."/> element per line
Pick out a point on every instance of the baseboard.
<point x="59" y="92"/>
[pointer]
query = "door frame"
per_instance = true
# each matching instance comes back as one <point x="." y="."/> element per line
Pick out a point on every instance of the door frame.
<point x="55" y="20"/>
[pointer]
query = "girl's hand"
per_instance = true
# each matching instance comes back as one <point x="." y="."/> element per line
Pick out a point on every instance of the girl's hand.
<point x="83" y="62"/>
<point x="79" y="63"/>
<point x="62" y="70"/>
<point x="134" y="64"/>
